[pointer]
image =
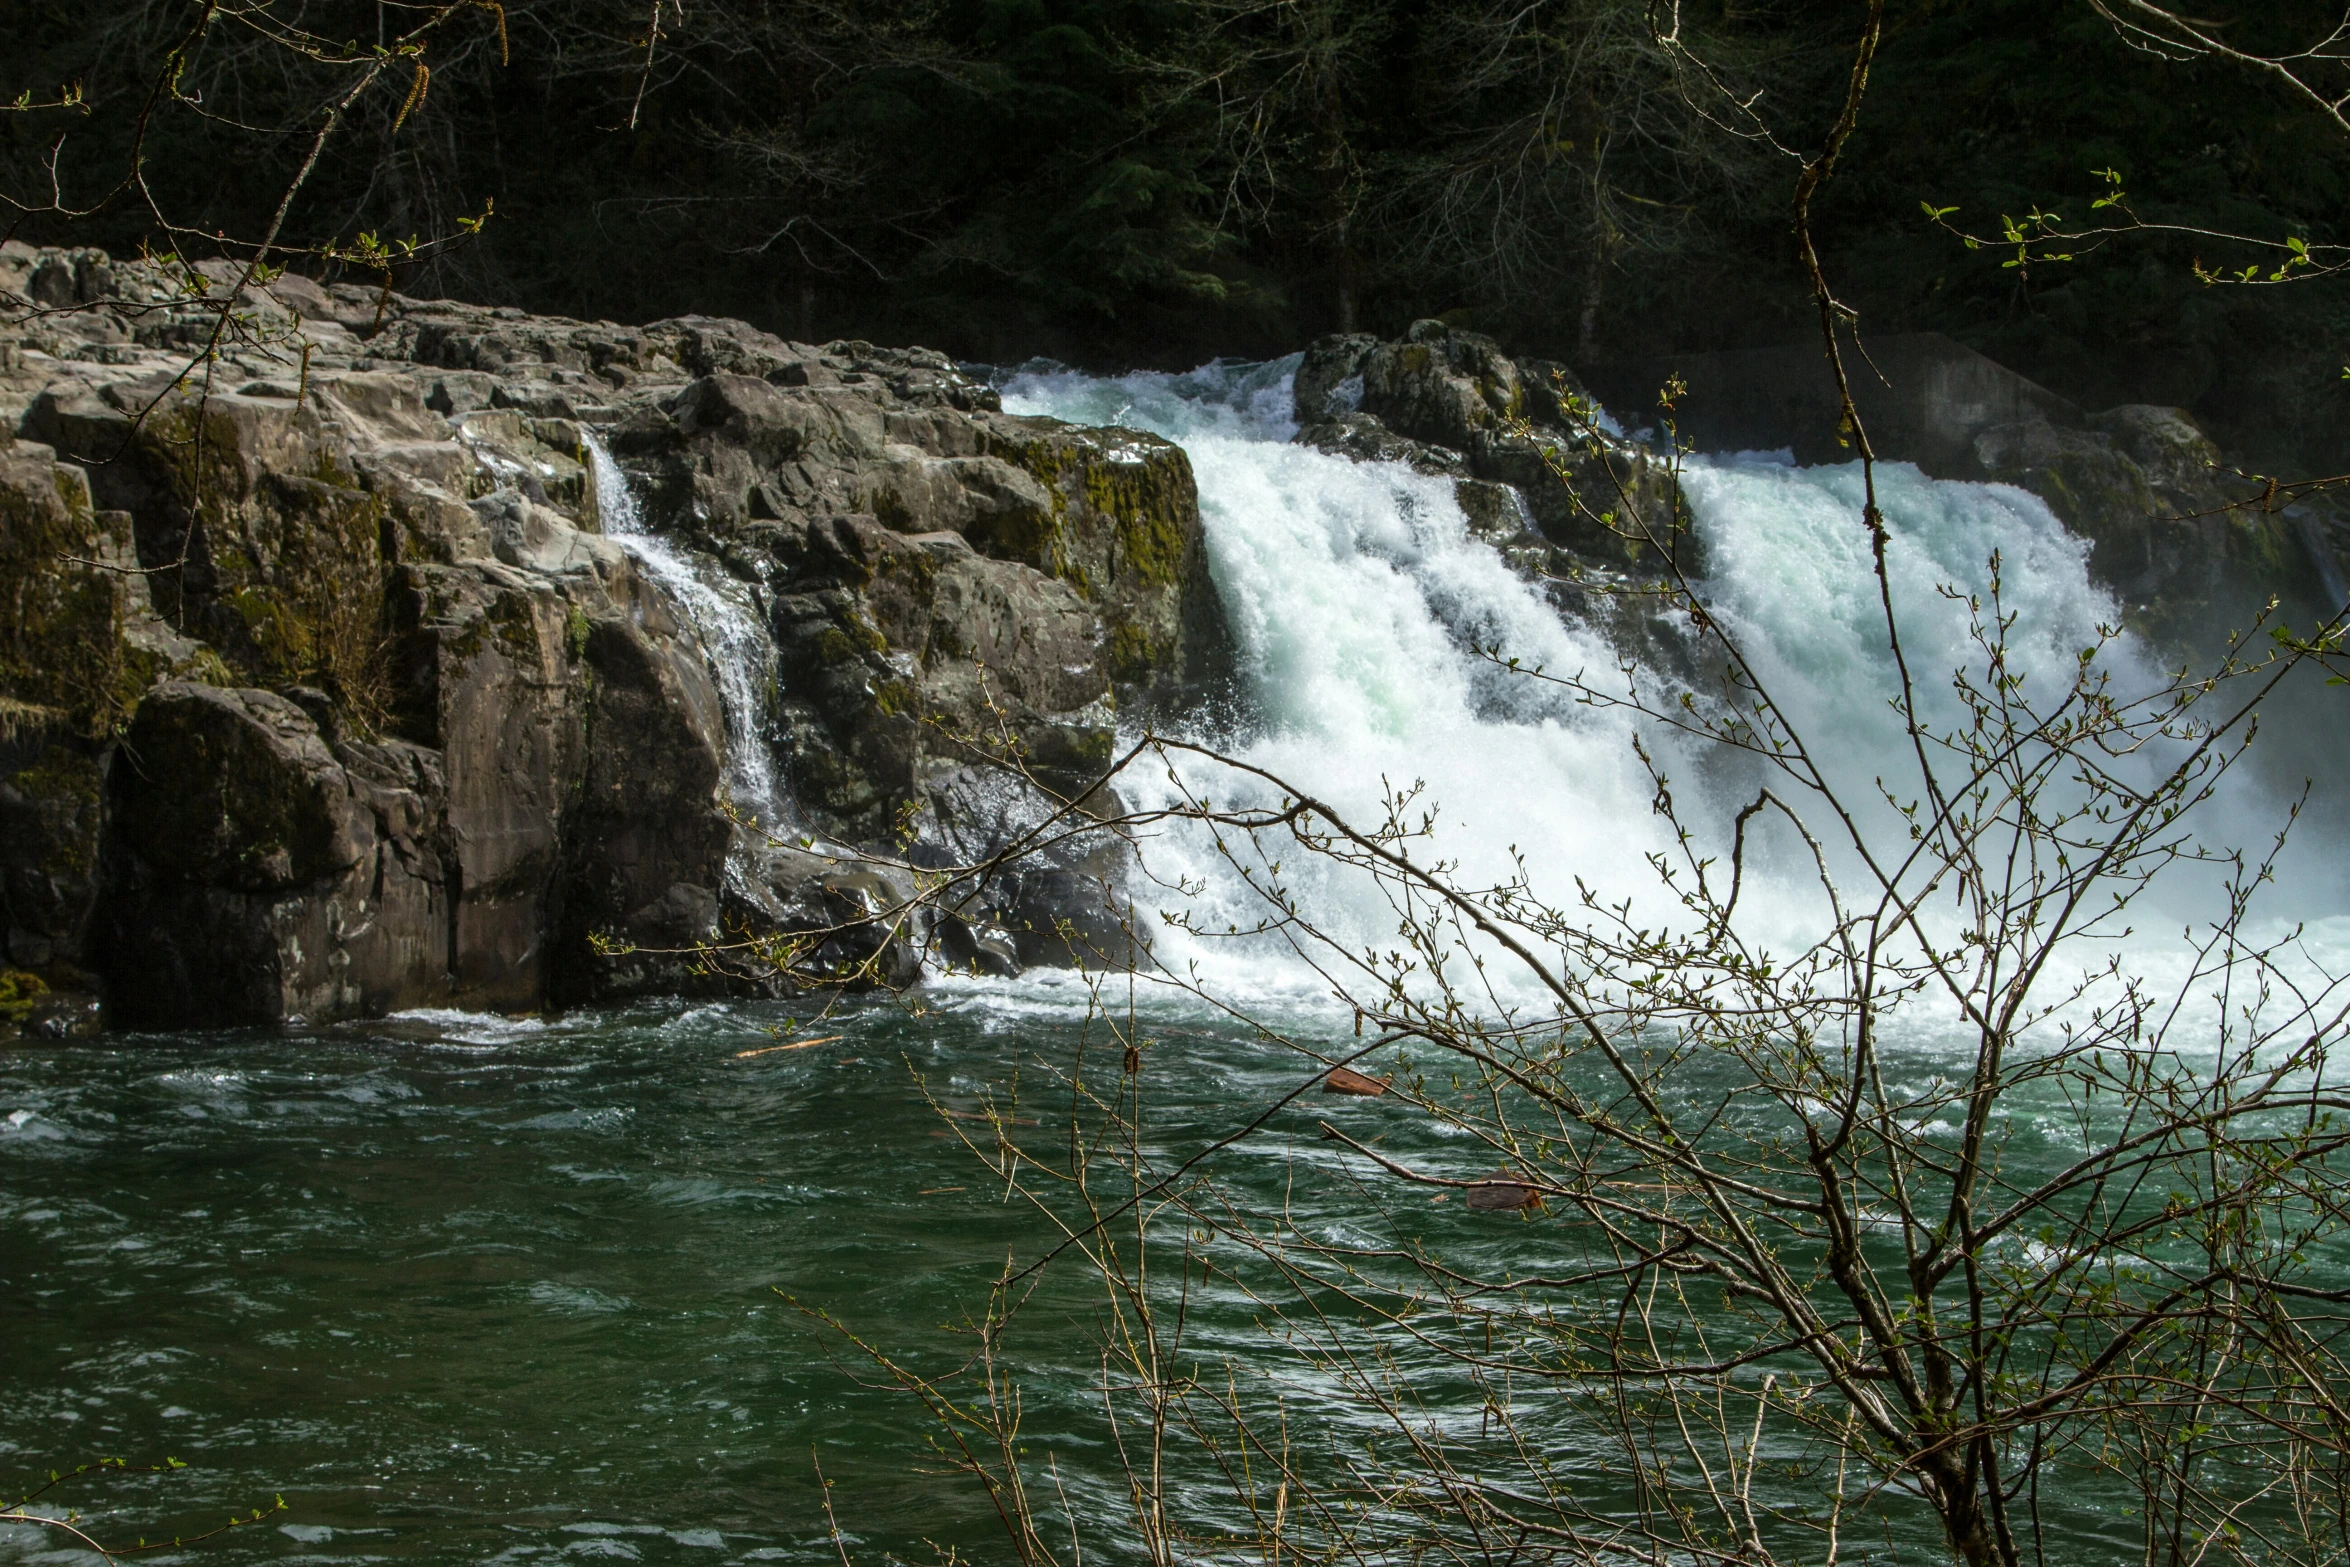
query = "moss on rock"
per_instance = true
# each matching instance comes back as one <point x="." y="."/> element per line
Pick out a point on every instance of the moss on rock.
<point x="61" y="620"/>
<point x="20" y="994"/>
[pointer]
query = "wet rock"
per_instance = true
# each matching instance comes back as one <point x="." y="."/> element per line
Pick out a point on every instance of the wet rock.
<point x="2168" y="531"/>
<point x="796" y="918"/>
<point x="1073" y="919"/>
<point x="981" y="947"/>
<point x="62" y="1015"/>
<point x="357" y="705"/>
<point x="1452" y="403"/>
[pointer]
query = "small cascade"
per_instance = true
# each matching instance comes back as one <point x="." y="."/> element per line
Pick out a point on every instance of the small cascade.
<point x="736" y="647"/>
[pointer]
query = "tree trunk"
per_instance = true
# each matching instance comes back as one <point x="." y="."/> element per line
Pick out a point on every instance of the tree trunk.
<point x="1333" y="160"/>
<point x="1966" y="1520"/>
<point x="1344" y="263"/>
<point x="1587" y="326"/>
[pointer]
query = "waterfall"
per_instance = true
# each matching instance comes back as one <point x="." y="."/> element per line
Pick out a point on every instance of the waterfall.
<point x="736" y="648"/>
<point x="1356" y="596"/>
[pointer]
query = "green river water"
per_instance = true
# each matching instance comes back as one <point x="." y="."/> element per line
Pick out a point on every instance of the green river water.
<point x="464" y="1289"/>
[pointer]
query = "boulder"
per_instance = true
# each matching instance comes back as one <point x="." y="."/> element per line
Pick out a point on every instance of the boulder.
<point x="2167" y="530"/>
<point x="262" y="880"/>
<point x="646" y="843"/>
<point x="1451" y="402"/>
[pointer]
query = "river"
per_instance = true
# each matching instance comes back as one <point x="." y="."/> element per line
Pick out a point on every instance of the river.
<point x="466" y="1288"/>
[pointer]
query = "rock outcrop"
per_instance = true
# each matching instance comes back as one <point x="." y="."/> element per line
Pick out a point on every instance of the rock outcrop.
<point x="2169" y="526"/>
<point x="326" y="689"/>
<point x="2189" y="548"/>
<point x="1534" y="470"/>
<point x="2192" y="550"/>
<point x="1595" y="518"/>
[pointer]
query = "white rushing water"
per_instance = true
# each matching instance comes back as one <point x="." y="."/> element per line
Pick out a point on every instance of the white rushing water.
<point x="1353" y="591"/>
<point x="1356" y="595"/>
<point x="735" y="646"/>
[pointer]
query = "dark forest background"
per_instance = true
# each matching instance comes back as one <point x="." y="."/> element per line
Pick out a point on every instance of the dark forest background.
<point x="1154" y="182"/>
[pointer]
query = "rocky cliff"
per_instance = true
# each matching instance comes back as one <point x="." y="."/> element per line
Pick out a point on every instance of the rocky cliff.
<point x="329" y="683"/>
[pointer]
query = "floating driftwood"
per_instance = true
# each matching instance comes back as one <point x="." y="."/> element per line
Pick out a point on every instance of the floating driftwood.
<point x="797" y="1044"/>
<point x="1502" y="1196"/>
<point x="1344" y="1080"/>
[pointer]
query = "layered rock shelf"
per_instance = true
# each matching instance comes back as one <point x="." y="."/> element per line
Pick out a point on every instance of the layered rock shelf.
<point x="328" y="691"/>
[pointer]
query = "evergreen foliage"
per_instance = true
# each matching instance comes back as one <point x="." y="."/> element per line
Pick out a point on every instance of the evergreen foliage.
<point x="1116" y="181"/>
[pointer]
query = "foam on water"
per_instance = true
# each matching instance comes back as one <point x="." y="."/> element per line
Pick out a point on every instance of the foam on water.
<point x="1790" y="573"/>
<point x="1356" y="598"/>
<point x="1354" y="593"/>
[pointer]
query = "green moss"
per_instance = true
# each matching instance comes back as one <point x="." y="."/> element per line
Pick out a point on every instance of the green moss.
<point x="575" y="632"/>
<point x="917" y="570"/>
<point x="140" y="668"/>
<point x="209" y="668"/>
<point x="198" y="458"/>
<point x="275" y="631"/>
<point x="841" y="642"/>
<point x="20" y="993"/>
<point x="2260" y="545"/>
<point x="891" y="511"/>
<point x="896" y="698"/>
<point x="67" y="783"/>
<point x="516" y="628"/>
<point x="1132" y="656"/>
<point x="60" y="623"/>
<point x="1149" y="505"/>
<point x="298" y="555"/>
<point x="1038" y="539"/>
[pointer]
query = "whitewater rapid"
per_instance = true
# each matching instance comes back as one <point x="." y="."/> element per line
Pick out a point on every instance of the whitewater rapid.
<point x="1357" y="599"/>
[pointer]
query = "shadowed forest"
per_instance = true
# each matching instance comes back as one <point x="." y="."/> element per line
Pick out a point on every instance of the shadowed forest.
<point x="1121" y="182"/>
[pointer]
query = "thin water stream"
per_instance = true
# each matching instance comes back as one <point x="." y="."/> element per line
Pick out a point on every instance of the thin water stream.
<point x="740" y="653"/>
